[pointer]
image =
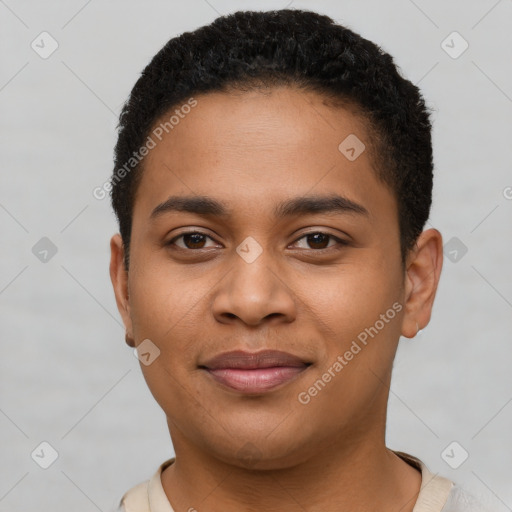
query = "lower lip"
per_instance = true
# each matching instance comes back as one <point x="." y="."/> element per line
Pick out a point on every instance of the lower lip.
<point x="256" y="380"/>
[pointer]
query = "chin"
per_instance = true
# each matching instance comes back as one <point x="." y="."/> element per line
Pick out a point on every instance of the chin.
<point x="261" y="454"/>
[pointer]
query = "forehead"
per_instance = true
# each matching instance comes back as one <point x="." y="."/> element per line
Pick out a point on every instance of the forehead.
<point x="280" y="121"/>
<point x="250" y="147"/>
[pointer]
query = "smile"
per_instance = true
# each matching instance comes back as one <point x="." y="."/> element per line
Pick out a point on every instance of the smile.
<point x="254" y="372"/>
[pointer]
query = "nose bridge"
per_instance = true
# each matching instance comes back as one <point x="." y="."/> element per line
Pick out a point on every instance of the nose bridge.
<point x="253" y="289"/>
<point x="252" y="272"/>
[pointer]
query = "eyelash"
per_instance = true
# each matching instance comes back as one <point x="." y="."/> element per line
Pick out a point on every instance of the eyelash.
<point x="340" y="241"/>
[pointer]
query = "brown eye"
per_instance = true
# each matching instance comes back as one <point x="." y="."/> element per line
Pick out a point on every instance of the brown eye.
<point x="191" y="240"/>
<point x="319" y="241"/>
<point x="194" y="241"/>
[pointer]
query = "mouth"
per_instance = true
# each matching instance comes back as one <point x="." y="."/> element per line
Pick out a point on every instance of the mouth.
<point x="257" y="372"/>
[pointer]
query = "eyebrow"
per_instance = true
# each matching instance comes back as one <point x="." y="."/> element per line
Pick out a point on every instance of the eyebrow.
<point x="207" y="206"/>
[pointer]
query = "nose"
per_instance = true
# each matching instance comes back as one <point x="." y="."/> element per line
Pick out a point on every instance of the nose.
<point x="253" y="293"/>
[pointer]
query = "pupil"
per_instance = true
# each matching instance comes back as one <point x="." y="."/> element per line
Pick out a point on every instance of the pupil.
<point x="317" y="239"/>
<point x="195" y="239"/>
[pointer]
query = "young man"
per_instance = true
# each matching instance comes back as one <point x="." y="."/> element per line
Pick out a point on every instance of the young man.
<point x="273" y="175"/>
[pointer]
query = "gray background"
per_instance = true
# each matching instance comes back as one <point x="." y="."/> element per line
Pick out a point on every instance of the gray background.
<point x="66" y="376"/>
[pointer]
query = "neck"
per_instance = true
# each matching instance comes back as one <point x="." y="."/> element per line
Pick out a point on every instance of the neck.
<point x="347" y="475"/>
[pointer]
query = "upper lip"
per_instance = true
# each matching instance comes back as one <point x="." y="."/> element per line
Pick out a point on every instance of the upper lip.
<point x="240" y="359"/>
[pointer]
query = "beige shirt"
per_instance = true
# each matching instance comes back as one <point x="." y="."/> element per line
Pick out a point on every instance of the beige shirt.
<point x="437" y="494"/>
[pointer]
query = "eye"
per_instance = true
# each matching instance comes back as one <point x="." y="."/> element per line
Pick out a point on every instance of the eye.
<point x="191" y="240"/>
<point x="319" y="240"/>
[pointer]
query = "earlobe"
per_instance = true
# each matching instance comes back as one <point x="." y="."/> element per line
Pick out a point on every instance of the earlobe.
<point x="129" y="340"/>
<point x="423" y="271"/>
<point x="119" y="278"/>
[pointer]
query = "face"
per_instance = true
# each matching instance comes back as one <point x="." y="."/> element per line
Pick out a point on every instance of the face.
<point x="255" y="232"/>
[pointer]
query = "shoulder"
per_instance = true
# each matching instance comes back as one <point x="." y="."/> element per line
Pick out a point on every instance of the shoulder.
<point x="149" y="496"/>
<point x="136" y="499"/>
<point x="439" y="494"/>
<point x="459" y="500"/>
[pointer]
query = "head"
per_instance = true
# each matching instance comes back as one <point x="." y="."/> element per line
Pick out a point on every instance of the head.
<point x="272" y="179"/>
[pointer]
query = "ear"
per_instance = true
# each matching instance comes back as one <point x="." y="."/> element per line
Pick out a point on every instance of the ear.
<point x="119" y="278"/>
<point x="423" y="270"/>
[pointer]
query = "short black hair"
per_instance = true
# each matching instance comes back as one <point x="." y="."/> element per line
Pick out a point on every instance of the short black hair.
<point x="252" y="50"/>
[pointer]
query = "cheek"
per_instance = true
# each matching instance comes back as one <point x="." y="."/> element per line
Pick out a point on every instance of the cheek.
<point x="349" y="299"/>
<point x="358" y="315"/>
<point x="170" y="306"/>
<point x="160" y="297"/>
<point x="165" y="307"/>
<point x="165" y="310"/>
<point x="358" y="319"/>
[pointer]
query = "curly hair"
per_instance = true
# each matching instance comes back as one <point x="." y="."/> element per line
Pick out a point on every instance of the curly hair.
<point x="250" y="50"/>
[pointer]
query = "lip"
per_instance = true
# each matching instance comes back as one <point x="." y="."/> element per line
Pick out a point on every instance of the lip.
<point x="254" y="372"/>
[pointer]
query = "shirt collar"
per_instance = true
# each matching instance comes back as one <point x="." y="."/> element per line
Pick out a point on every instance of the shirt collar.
<point x="434" y="490"/>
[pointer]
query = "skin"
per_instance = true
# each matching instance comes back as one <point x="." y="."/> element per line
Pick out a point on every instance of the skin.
<point x="199" y="297"/>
